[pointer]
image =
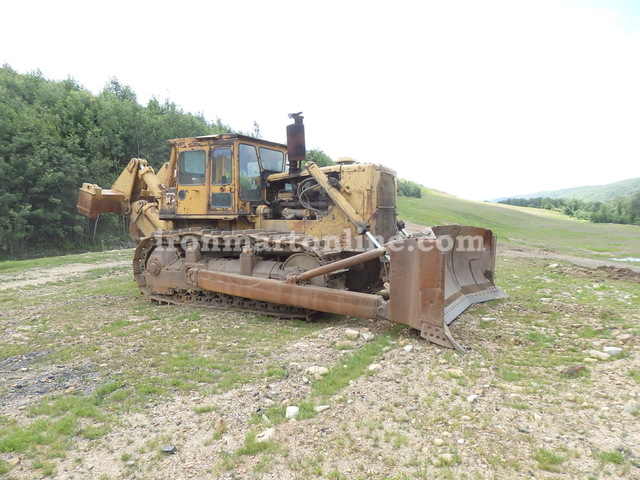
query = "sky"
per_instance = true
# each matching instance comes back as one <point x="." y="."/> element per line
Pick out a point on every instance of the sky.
<point x="479" y="99"/>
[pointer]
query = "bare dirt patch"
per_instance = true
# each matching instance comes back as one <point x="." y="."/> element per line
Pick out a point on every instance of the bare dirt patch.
<point x="35" y="277"/>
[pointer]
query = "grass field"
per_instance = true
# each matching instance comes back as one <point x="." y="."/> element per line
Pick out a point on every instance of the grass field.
<point x="526" y="226"/>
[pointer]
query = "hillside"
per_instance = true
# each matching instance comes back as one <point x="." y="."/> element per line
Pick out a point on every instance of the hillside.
<point x="525" y="226"/>
<point x="593" y="193"/>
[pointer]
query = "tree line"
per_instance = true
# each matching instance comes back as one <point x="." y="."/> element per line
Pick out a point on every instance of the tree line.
<point x="56" y="134"/>
<point x="624" y="209"/>
<point x="407" y="188"/>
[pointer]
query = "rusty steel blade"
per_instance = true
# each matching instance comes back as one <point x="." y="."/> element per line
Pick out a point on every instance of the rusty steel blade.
<point x="470" y="254"/>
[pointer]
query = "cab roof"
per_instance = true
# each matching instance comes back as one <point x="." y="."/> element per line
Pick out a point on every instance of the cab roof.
<point x="224" y="136"/>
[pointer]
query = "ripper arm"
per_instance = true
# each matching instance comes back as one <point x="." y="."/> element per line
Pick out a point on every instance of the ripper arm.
<point x="136" y="193"/>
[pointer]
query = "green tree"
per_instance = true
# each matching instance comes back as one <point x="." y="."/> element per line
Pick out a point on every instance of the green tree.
<point x="407" y="188"/>
<point x="319" y="158"/>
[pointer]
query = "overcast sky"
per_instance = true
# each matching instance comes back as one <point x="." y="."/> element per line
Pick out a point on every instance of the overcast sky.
<point x="480" y="99"/>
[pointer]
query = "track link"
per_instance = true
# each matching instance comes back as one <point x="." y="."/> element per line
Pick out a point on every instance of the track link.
<point x="219" y="241"/>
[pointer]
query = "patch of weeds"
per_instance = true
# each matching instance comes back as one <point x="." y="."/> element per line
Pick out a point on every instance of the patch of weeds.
<point x="227" y="463"/>
<point x="204" y="409"/>
<point x="589" y="332"/>
<point x="91" y="432"/>
<point x="610" y="457"/>
<point x="52" y="435"/>
<point x="505" y="462"/>
<point x="307" y="410"/>
<point x="116" y="325"/>
<point x="539" y="337"/>
<point x="8" y="298"/>
<point x="191" y="316"/>
<point x="336" y="475"/>
<point x="355" y="365"/>
<point x="252" y="446"/>
<point x="510" y="375"/>
<point x="400" y="441"/>
<point x="264" y="464"/>
<point x="56" y="421"/>
<point x="275" y="372"/>
<point x="548" y="460"/>
<point x="120" y="287"/>
<point x="422" y="471"/>
<point x="107" y="389"/>
<point x="635" y="374"/>
<point x="125" y="457"/>
<point x="76" y="405"/>
<point x="101" y="272"/>
<point x="47" y="469"/>
<point x="150" y="387"/>
<point x="623" y="354"/>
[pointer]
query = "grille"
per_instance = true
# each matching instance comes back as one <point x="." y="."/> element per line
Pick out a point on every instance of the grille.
<point x="385" y="225"/>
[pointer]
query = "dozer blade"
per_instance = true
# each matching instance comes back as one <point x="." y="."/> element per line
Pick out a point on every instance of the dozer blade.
<point x="470" y="258"/>
<point x="433" y="280"/>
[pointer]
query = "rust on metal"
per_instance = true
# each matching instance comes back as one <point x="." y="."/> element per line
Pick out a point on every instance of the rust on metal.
<point x="297" y="150"/>
<point x="93" y="200"/>
<point x="417" y="297"/>
<point x="338" y="265"/>
<point x="315" y="298"/>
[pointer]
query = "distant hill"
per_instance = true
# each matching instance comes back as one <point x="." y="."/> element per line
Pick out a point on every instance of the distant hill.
<point x="594" y="193"/>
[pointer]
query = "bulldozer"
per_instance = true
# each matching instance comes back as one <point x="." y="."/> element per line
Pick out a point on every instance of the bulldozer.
<point x="232" y="221"/>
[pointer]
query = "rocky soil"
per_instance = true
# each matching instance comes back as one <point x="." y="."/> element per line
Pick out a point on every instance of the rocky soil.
<point x="419" y="411"/>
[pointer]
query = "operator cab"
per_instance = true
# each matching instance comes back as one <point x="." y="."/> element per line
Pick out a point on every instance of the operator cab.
<point x="220" y="176"/>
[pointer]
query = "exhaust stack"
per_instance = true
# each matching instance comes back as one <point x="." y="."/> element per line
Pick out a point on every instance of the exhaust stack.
<point x="296" y="144"/>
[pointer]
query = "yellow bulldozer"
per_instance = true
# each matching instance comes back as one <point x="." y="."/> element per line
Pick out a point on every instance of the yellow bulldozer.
<point x="232" y="221"/>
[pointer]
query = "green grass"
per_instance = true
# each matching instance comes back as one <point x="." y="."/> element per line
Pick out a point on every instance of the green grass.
<point x="252" y="446"/>
<point x="526" y="226"/>
<point x="614" y="457"/>
<point x="548" y="460"/>
<point x="354" y="365"/>
<point x="57" y="419"/>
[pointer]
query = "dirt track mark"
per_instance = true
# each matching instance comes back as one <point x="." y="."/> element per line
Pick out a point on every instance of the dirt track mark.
<point x="40" y="276"/>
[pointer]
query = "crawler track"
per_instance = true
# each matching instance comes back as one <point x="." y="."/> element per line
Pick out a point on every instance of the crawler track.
<point x="219" y="244"/>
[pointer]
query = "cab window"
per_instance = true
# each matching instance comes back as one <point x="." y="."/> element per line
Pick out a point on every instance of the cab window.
<point x="249" y="173"/>
<point x="272" y="160"/>
<point x="192" y="167"/>
<point x="221" y="166"/>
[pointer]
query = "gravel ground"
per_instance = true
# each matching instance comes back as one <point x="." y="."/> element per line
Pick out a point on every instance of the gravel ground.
<point x="420" y="412"/>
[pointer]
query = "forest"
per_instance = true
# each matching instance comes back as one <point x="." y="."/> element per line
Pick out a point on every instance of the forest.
<point x="55" y="135"/>
<point x="623" y="209"/>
